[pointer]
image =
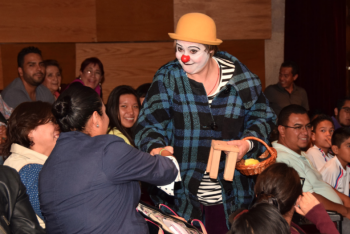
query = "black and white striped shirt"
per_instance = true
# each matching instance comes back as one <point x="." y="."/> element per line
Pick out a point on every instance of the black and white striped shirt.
<point x="209" y="191"/>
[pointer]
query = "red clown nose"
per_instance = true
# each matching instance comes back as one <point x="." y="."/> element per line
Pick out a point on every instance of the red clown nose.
<point x="185" y="58"/>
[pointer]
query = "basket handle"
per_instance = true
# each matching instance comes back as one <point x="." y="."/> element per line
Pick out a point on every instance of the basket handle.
<point x="261" y="141"/>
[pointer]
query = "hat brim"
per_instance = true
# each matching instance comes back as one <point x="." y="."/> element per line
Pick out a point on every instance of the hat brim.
<point x="183" y="38"/>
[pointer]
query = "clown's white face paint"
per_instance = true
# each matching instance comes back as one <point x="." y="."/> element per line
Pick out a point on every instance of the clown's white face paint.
<point x="198" y="56"/>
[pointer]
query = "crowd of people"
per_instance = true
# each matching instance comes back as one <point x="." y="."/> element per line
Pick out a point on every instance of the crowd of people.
<point x="83" y="165"/>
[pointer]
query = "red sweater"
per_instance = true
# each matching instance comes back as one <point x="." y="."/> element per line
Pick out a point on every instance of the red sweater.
<point x="320" y="218"/>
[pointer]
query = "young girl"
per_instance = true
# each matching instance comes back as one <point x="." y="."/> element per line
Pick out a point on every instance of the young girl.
<point x="322" y="131"/>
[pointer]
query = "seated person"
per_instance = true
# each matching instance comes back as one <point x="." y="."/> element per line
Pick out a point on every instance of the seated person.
<point x="27" y="87"/>
<point x="294" y="129"/>
<point x="53" y="77"/>
<point x="286" y="92"/>
<point x="123" y="108"/>
<point x="142" y="91"/>
<point x="336" y="172"/>
<point x="17" y="214"/>
<point x="254" y="221"/>
<point x="32" y="135"/>
<point x="341" y="116"/>
<point x="321" y="135"/>
<point x="281" y="186"/>
<point x="91" y="74"/>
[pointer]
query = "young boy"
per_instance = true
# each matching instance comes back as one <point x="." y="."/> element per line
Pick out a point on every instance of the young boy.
<point x="336" y="172"/>
<point x="321" y="135"/>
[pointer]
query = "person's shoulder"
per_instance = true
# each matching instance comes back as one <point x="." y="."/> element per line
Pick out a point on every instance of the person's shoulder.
<point x="170" y="66"/>
<point x="271" y="88"/>
<point x="15" y="86"/>
<point x="300" y="89"/>
<point x="7" y="171"/>
<point x="330" y="166"/>
<point x="45" y="93"/>
<point x="313" y="151"/>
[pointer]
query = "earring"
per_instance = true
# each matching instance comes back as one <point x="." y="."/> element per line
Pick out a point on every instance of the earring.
<point x="97" y="126"/>
<point x="59" y="88"/>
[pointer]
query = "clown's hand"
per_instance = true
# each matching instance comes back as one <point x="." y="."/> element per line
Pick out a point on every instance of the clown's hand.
<point x="243" y="147"/>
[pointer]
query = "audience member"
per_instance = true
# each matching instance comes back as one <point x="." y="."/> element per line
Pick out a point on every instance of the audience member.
<point x="90" y="181"/>
<point x="294" y="130"/>
<point x="313" y="114"/>
<point x="262" y="218"/>
<point x="91" y="74"/>
<point x="336" y="172"/>
<point x="185" y="109"/>
<point x="17" y="214"/>
<point x="5" y="112"/>
<point x="321" y="136"/>
<point x="27" y="87"/>
<point x="32" y="134"/>
<point x="281" y="186"/>
<point x="285" y="92"/>
<point x="123" y="108"/>
<point x="142" y="91"/>
<point x="341" y="116"/>
<point x="53" y="77"/>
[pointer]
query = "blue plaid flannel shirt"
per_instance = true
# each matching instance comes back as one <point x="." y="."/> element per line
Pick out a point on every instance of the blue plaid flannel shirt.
<point x="175" y="112"/>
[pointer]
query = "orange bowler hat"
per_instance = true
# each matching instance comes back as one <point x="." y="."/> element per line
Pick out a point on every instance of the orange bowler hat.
<point x="196" y="27"/>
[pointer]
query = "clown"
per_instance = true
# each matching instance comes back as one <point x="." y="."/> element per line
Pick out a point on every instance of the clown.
<point x="204" y="94"/>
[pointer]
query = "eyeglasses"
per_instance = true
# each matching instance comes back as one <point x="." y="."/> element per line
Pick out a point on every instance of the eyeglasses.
<point x="346" y="109"/>
<point x="300" y="127"/>
<point x="90" y="73"/>
<point x="302" y="181"/>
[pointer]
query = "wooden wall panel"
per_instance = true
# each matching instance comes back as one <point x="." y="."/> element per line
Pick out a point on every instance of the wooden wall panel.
<point x="1" y="75"/>
<point x="47" y="21"/>
<point x="239" y="19"/>
<point x="135" y="20"/>
<point x="126" y="63"/>
<point x="64" y="53"/>
<point x="136" y="63"/>
<point x="250" y="52"/>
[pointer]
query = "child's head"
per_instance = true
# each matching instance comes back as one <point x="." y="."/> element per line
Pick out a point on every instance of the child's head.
<point x="322" y="131"/>
<point x="341" y="145"/>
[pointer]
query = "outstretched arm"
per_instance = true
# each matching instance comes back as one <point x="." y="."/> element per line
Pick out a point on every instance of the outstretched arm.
<point x="329" y="205"/>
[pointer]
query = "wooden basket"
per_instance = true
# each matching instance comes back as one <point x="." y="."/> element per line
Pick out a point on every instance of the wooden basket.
<point x="257" y="168"/>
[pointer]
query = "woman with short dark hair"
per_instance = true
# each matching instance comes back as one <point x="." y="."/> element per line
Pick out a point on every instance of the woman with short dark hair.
<point x="89" y="184"/>
<point x="32" y="134"/>
<point x="91" y="74"/>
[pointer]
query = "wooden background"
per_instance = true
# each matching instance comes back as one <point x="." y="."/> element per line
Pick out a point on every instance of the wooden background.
<point x="129" y="37"/>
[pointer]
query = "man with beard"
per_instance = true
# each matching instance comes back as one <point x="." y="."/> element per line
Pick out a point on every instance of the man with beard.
<point x="27" y="87"/>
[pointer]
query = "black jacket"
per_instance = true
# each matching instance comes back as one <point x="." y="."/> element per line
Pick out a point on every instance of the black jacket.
<point x="16" y="213"/>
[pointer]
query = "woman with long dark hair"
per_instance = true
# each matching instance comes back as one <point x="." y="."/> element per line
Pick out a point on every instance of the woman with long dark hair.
<point x="89" y="184"/>
<point x="281" y="186"/>
<point x="123" y="108"/>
